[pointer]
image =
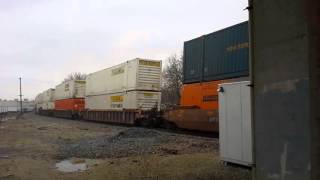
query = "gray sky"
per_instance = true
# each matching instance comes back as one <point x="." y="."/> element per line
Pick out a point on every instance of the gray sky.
<point x="44" y="40"/>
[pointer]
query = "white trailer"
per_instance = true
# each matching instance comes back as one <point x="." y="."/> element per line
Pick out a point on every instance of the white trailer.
<point x="70" y="89"/>
<point x="45" y="100"/>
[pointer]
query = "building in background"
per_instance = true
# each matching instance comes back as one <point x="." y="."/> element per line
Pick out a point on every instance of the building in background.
<point x="14" y="105"/>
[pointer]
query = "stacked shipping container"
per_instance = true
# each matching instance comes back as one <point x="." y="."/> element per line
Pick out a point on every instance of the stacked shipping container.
<point x="121" y="94"/>
<point x="124" y="93"/>
<point x="134" y="84"/>
<point x="221" y="56"/>
<point x="131" y="90"/>
<point x="210" y="60"/>
<point x="70" y="95"/>
<point x="203" y="95"/>
<point x="45" y="100"/>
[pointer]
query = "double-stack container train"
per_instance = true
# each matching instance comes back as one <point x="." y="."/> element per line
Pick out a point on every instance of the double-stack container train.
<point x="44" y="102"/>
<point x="129" y="93"/>
<point x="208" y="61"/>
<point x="69" y="98"/>
<point x="125" y="93"/>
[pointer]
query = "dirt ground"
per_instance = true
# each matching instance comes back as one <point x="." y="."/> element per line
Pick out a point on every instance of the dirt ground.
<point x="37" y="147"/>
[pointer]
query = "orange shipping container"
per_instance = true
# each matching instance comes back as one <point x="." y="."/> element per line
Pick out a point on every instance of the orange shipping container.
<point x="70" y="104"/>
<point x="204" y="95"/>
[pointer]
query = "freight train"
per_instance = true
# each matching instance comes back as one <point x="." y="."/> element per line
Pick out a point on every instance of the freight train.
<point x="129" y="93"/>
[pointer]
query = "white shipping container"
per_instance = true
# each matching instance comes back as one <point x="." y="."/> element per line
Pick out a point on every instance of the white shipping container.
<point x="38" y="101"/>
<point x="70" y="89"/>
<point x="136" y="74"/>
<point x="49" y="105"/>
<point x="48" y="95"/>
<point x="144" y="100"/>
<point x="38" y="98"/>
<point x="45" y="100"/>
<point x="235" y="129"/>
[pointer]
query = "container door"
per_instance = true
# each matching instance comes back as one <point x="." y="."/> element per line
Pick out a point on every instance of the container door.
<point x="193" y="60"/>
<point x="148" y="75"/>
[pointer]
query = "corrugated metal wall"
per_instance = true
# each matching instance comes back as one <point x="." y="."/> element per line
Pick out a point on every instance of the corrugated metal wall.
<point x="192" y="61"/>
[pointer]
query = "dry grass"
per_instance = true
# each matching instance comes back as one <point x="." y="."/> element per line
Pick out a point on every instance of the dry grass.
<point x="178" y="167"/>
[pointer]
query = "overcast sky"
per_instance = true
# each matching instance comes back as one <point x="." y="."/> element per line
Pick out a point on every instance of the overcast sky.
<point x="44" y="40"/>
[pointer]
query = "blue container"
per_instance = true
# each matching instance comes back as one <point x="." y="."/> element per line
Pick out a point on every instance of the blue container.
<point x="220" y="55"/>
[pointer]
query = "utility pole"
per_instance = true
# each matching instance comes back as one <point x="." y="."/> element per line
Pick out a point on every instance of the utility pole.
<point x="20" y="97"/>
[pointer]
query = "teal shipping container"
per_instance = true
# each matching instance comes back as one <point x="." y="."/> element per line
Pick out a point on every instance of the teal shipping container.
<point x="219" y="55"/>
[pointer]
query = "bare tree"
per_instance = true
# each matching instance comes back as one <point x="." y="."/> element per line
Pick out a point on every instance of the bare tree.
<point x="172" y="80"/>
<point x="75" y="76"/>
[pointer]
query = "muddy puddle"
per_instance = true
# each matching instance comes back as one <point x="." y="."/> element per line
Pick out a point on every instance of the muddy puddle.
<point x="71" y="166"/>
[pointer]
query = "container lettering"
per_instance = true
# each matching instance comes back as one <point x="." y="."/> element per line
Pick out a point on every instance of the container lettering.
<point x="116" y="98"/>
<point x="149" y="63"/>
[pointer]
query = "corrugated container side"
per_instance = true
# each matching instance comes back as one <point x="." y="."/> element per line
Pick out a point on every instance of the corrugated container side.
<point x="60" y="91"/>
<point x="227" y="53"/>
<point x="70" y="89"/>
<point x="204" y="95"/>
<point x="107" y="80"/>
<point x="96" y="83"/>
<point x="44" y="100"/>
<point x="49" y="105"/>
<point x="192" y="60"/>
<point x="39" y="98"/>
<point x="220" y="55"/>
<point x="70" y="104"/>
<point x="80" y="89"/>
<point x="148" y="75"/>
<point x="137" y="74"/>
<point x="144" y="100"/>
<point x="38" y="102"/>
<point x="48" y="95"/>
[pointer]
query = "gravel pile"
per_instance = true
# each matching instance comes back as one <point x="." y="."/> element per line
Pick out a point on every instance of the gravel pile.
<point x="137" y="141"/>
